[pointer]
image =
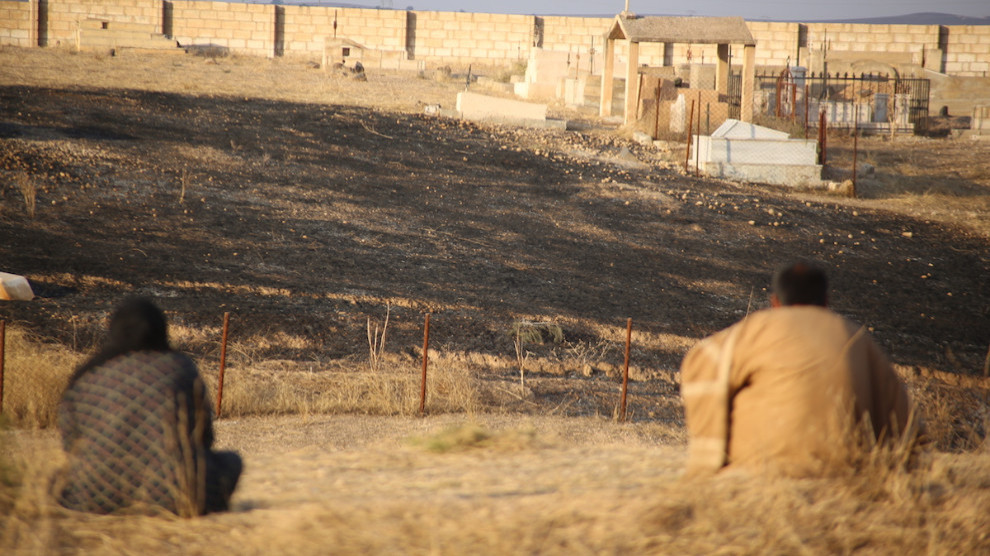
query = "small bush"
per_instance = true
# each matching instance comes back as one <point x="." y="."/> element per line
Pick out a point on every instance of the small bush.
<point x="517" y="68"/>
<point x="35" y="375"/>
<point x="29" y="191"/>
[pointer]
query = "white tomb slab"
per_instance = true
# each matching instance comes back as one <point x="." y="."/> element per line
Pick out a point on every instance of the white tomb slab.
<point x="747" y="152"/>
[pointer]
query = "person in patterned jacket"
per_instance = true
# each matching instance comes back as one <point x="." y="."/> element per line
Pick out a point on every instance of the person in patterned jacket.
<point x="137" y="427"/>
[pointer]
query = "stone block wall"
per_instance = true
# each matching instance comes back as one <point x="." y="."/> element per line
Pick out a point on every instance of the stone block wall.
<point x="464" y="38"/>
<point x="873" y="38"/>
<point x="967" y="50"/>
<point x="243" y="28"/>
<point x="776" y="43"/>
<point x="581" y="38"/>
<point x="64" y="17"/>
<point x="459" y="38"/>
<point x="306" y="29"/>
<point x="17" y="23"/>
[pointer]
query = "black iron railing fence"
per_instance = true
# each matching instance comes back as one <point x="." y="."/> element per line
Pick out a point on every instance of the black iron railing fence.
<point x="870" y="102"/>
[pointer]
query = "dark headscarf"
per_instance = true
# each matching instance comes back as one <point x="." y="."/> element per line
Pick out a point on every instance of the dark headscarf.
<point x="137" y="324"/>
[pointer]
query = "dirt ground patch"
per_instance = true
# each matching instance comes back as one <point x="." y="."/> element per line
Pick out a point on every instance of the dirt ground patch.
<point x="535" y="485"/>
<point x="304" y="204"/>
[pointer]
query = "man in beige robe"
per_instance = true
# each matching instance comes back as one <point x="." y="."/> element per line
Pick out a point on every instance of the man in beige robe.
<point x="795" y="389"/>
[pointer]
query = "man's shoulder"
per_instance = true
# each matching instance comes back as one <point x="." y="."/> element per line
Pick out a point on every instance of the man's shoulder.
<point x="805" y="313"/>
<point x="710" y="347"/>
<point x="786" y="321"/>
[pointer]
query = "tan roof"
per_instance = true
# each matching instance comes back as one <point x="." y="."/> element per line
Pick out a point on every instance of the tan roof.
<point x="692" y="30"/>
<point x="335" y="42"/>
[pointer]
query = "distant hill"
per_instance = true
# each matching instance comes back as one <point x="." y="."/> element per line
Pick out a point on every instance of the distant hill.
<point x="925" y="18"/>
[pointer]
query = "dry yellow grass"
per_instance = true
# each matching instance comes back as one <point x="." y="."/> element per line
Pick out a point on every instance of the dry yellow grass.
<point x="348" y="386"/>
<point x="354" y="471"/>
<point x="515" y="485"/>
<point x="35" y="374"/>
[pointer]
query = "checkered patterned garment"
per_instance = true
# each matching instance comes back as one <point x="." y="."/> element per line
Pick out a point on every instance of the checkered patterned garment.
<point x="137" y="431"/>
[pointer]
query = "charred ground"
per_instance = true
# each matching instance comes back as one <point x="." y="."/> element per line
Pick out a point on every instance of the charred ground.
<point x="305" y="218"/>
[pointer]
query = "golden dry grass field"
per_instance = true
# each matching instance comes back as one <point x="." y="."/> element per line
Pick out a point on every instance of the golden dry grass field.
<point x="310" y="206"/>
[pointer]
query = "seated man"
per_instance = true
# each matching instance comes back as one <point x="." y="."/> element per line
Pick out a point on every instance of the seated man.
<point x="794" y="389"/>
<point x="137" y="427"/>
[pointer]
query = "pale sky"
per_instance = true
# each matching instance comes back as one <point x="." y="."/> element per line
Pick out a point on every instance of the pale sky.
<point x="750" y="9"/>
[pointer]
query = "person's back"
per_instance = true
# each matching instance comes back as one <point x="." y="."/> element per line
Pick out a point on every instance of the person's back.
<point x="787" y="390"/>
<point x="802" y="377"/>
<point x="127" y="429"/>
<point x="137" y="427"/>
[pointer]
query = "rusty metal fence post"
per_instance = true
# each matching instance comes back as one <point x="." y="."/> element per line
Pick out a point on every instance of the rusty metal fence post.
<point x="426" y="356"/>
<point x="656" y="106"/>
<point x="625" y="372"/>
<point x="687" y="157"/>
<point x="223" y="361"/>
<point x="855" y="147"/>
<point x="697" y="139"/>
<point x="3" y="342"/>
<point x="822" y="137"/>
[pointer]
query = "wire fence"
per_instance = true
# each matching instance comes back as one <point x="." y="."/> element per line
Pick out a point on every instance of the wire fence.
<point x="39" y="391"/>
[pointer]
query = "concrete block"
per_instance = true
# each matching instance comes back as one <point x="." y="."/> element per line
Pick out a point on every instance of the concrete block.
<point x="14" y="288"/>
<point x="735" y="129"/>
<point x="477" y="107"/>
<point x="787" y="152"/>
<point x="546" y="65"/>
<point x="793" y="176"/>
<point x="535" y="90"/>
<point x="967" y="39"/>
<point x="678" y="115"/>
<point x="702" y="76"/>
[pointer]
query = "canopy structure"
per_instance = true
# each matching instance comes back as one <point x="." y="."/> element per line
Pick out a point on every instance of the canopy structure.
<point x="721" y="31"/>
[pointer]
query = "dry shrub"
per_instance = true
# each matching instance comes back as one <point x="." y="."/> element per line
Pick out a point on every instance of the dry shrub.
<point x="935" y="510"/>
<point x="472" y="435"/>
<point x="792" y="126"/>
<point x="28" y="190"/>
<point x="285" y="387"/>
<point x="517" y="68"/>
<point x="451" y="386"/>
<point x="953" y="407"/>
<point x="35" y="375"/>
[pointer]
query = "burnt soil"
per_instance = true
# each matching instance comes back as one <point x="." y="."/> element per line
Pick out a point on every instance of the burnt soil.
<point x="306" y="218"/>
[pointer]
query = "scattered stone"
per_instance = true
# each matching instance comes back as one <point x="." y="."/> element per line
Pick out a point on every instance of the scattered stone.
<point x="642" y="138"/>
<point x="15" y="288"/>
